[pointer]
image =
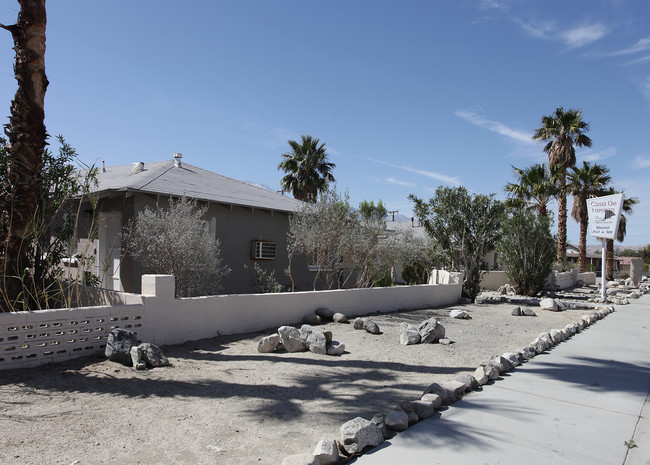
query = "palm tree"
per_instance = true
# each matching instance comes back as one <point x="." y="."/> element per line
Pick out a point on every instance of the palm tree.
<point x="584" y="183"/>
<point x="534" y="188"/>
<point x="307" y="170"/>
<point x="562" y="131"/>
<point x="628" y="207"/>
<point x="27" y="141"/>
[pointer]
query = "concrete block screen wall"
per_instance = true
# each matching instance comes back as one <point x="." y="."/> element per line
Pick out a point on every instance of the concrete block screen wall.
<point x="39" y="337"/>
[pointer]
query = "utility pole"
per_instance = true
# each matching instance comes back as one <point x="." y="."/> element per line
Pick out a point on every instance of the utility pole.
<point x="392" y="213"/>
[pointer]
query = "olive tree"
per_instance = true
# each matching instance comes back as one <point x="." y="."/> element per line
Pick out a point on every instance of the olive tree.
<point x="174" y="241"/>
<point x="463" y="227"/>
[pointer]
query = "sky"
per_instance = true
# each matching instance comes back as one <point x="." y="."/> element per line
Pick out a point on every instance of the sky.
<point x="407" y="95"/>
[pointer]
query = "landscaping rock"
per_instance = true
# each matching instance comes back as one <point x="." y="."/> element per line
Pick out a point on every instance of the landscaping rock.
<point x="516" y="311"/>
<point x="481" y="376"/>
<point x="423" y="409"/>
<point x="445" y="341"/>
<point x="370" y="326"/>
<point x="431" y="331"/>
<point x="435" y="399"/>
<point x="136" y="358"/>
<point x="379" y="420"/>
<point x="118" y="346"/>
<point x="491" y="372"/>
<point x="326" y="452"/>
<point x="325" y="314"/>
<point x="358" y="323"/>
<point x="549" y="304"/>
<point x="527" y="311"/>
<point x="358" y="434"/>
<point x="470" y="381"/>
<point x="397" y="420"/>
<point x="313" y="339"/>
<point x="409" y="335"/>
<point x="336" y="348"/>
<point x="459" y="314"/>
<point x="268" y="344"/>
<point x="340" y="318"/>
<point x="312" y="319"/>
<point x="153" y="356"/>
<point x="328" y="337"/>
<point x="407" y="407"/>
<point x="512" y="359"/>
<point x="290" y="339"/>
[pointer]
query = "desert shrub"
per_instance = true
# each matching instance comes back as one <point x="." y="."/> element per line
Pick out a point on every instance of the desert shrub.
<point x="263" y="281"/>
<point x="463" y="227"/>
<point x="527" y="250"/>
<point x="174" y="241"/>
<point x="54" y="226"/>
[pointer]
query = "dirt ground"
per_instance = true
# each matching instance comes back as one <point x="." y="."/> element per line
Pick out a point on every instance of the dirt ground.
<point x="223" y="403"/>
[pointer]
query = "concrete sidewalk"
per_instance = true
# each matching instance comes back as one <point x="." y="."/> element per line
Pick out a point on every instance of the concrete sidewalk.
<point x="576" y="404"/>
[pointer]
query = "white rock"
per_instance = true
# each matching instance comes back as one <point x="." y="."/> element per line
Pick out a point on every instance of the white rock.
<point x="326" y="452"/>
<point x="358" y="434"/>
<point x="459" y="314"/>
<point x="290" y="339"/>
<point x="397" y="420"/>
<point x="481" y="376"/>
<point x="549" y="304"/>
<point x="268" y="344"/>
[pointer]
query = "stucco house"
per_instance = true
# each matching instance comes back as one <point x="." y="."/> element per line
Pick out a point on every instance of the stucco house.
<point x="250" y="222"/>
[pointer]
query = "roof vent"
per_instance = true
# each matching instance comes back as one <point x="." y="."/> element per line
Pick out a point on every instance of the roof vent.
<point x="137" y="167"/>
<point x="177" y="159"/>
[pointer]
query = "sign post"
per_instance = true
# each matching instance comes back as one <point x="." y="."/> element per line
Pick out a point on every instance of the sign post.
<point x="604" y="216"/>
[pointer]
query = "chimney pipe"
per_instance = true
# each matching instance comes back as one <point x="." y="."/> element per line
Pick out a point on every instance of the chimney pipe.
<point x="177" y="159"/>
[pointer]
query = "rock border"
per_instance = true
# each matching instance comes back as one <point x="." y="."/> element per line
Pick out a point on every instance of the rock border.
<point x="359" y="435"/>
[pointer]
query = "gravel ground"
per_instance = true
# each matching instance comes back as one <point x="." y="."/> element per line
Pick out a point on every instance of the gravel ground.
<point x="223" y="403"/>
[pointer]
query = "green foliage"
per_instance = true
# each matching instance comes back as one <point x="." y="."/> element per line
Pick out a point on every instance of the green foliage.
<point x="346" y="246"/>
<point x="307" y="171"/>
<point x="51" y="231"/>
<point x="371" y="213"/>
<point x="174" y="241"/>
<point x="526" y="250"/>
<point x="463" y="228"/>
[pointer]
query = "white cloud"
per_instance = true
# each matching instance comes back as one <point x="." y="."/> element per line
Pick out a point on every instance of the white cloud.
<point x="453" y="180"/>
<point x="400" y="183"/>
<point x="495" y="126"/>
<point x="642" y="45"/>
<point x="642" y="162"/>
<point x="639" y="60"/>
<point x="597" y="156"/>
<point x="584" y="35"/>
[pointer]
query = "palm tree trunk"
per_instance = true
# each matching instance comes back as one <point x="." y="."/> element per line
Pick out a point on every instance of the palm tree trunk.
<point x="609" y="260"/>
<point x="582" y="248"/>
<point x="27" y="139"/>
<point x="562" y="216"/>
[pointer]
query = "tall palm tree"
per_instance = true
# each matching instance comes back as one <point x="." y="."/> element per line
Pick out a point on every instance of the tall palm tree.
<point x="27" y="141"/>
<point x="534" y="188"/>
<point x="562" y="131"/>
<point x="628" y="207"/>
<point x="584" y="183"/>
<point x="307" y="170"/>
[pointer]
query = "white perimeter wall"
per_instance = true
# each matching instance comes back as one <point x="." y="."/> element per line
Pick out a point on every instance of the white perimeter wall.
<point x="38" y="337"/>
<point x="493" y="280"/>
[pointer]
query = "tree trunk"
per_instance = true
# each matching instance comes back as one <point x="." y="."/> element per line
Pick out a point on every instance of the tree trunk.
<point x="582" y="248"/>
<point x="609" y="260"/>
<point x="27" y="140"/>
<point x="561" y="222"/>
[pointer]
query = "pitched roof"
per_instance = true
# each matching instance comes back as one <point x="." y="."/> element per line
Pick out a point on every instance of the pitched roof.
<point x="164" y="178"/>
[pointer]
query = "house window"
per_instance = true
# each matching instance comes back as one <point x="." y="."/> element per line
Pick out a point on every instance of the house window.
<point x="262" y="250"/>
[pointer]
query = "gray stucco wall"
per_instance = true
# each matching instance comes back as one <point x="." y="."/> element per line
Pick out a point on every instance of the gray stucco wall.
<point x="235" y="227"/>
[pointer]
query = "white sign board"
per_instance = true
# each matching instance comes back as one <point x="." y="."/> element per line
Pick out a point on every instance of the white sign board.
<point x="604" y="215"/>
